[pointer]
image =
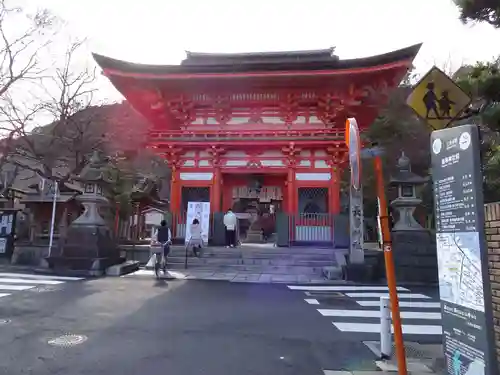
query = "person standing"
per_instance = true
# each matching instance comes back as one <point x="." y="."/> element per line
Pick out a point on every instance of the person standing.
<point x="230" y="221"/>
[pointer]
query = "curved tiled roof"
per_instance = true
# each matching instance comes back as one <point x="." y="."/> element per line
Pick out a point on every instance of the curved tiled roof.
<point x="254" y="62"/>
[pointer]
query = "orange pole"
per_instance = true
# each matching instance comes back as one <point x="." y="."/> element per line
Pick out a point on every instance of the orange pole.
<point x="389" y="268"/>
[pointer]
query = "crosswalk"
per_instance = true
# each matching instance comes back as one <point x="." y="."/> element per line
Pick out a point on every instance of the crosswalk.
<point x="17" y="282"/>
<point x="356" y="308"/>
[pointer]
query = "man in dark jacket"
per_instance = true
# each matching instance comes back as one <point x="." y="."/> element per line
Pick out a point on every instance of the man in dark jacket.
<point x="164" y="236"/>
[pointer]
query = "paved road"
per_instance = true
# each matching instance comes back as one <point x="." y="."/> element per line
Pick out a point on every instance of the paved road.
<point x="135" y="325"/>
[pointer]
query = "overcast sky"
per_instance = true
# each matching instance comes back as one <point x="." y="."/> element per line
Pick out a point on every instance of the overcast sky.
<point x="159" y="31"/>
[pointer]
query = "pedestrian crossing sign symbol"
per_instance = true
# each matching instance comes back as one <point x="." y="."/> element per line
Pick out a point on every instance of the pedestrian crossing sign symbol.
<point x="437" y="99"/>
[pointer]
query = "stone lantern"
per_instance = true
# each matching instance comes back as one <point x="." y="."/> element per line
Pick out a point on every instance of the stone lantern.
<point x="89" y="244"/>
<point x="407" y="200"/>
<point x="95" y="181"/>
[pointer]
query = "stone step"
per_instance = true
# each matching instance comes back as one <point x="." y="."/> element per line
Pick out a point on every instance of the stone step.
<point x="247" y="249"/>
<point x="263" y="260"/>
<point x="277" y="270"/>
<point x="256" y="262"/>
<point x="265" y="249"/>
<point x="229" y="269"/>
<point x="269" y="253"/>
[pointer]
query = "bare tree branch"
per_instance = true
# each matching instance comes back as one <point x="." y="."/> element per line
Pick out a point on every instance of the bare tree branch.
<point x="19" y="51"/>
<point x="61" y="148"/>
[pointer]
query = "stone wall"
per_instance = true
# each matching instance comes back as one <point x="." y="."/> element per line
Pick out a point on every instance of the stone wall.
<point x="492" y="230"/>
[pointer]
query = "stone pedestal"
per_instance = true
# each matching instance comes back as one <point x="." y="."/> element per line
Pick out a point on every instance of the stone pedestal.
<point x="88" y="244"/>
<point x="415" y="257"/>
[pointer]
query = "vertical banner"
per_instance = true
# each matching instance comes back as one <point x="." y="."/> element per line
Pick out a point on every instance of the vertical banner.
<point x="464" y="284"/>
<point x="356" y="218"/>
<point x="200" y="211"/>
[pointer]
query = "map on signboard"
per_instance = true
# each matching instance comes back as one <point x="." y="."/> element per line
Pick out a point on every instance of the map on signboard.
<point x="437" y="99"/>
<point x="460" y="275"/>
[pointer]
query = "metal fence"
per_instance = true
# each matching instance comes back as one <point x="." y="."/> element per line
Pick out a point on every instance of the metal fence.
<point x="312" y="229"/>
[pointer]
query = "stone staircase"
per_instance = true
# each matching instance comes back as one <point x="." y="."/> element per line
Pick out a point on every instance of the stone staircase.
<point x="257" y="259"/>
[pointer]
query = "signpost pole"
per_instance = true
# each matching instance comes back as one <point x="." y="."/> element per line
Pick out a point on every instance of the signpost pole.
<point x="389" y="268"/>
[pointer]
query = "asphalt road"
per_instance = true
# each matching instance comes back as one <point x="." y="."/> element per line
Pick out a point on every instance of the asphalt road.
<point x="137" y="326"/>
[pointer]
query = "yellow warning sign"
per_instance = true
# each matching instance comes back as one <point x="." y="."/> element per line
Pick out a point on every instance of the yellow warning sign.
<point x="437" y="99"/>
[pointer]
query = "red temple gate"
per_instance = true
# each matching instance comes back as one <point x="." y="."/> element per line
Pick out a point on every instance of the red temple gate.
<point x="271" y="122"/>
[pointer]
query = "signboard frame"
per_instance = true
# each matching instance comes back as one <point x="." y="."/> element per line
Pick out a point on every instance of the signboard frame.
<point x="460" y="239"/>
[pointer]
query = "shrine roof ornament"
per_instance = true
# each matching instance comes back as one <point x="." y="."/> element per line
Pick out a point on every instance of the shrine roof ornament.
<point x="286" y="57"/>
<point x="293" y="61"/>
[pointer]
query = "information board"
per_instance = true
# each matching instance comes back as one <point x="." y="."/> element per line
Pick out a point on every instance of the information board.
<point x="464" y="285"/>
<point x="200" y="211"/>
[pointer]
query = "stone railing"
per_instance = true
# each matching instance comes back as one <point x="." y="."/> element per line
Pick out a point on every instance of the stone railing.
<point x="492" y="230"/>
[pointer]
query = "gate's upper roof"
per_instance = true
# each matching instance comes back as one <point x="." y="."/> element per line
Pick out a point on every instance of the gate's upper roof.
<point x="197" y="62"/>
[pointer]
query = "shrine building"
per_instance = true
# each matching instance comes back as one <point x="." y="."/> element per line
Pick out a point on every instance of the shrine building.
<point x="259" y="132"/>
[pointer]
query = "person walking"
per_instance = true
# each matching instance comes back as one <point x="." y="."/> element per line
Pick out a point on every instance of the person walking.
<point x="164" y="237"/>
<point x="230" y="221"/>
<point x="196" y="240"/>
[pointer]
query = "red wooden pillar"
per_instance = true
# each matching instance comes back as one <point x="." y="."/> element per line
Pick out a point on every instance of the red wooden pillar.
<point x="215" y="203"/>
<point x="291" y="206"/>
<point x="291" y="151"/>
<point x="335" y="191"/>
<point x="175" y="191"/>
<point x="175" y="199"/>
<point x="291" y="191"/>
<point x="216" y="190"/>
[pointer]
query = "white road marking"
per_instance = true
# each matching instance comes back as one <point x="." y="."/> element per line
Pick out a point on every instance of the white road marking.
<point x="375" y="328"/>
<point x="16" y="287"/>
<point x="312" y="301"/>
<point x="39" y="277"/>
<point x="24" y="281"/>
<point x="411" y="304"/>
<point x="4" y="295"/>
<point x="141" y="273"/>
<point x="376" y="314"/>
<point x="378" y="295"/>
<point x="341" y="288"/>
